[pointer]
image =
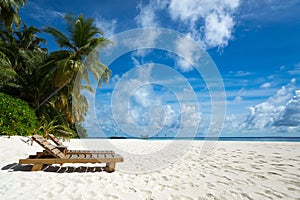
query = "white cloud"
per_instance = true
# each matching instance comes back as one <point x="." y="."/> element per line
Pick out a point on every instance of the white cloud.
<point x="190" y="11"/>
<point x="232" y="124"/>
<point x="147" y="16"/>
<point x="218" y="29"/>
<point x="296" y="70"/>
<point x="217" y="16"/>
<point x="282" y="68"/>
<point x="290" y="115"/>
<point x="146" y="39"/>
<point x="107" y="26"/>
<point x="265" y="85"/>
<point x="40" y="13"/>
<point x="238" y="99"/>
<point x="145" y="96"/>
<point x="280" y="109"/>
<point x="240" y="73"/>
<point x="189" y="52"/>
<point x="190" y="119"/>
<point x="208" y="22"/>
<point x="268" y="11"/>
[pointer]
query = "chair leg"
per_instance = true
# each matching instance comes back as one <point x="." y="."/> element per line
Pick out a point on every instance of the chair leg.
<point x="37" y="167"/>
<point x="111" y="166"/>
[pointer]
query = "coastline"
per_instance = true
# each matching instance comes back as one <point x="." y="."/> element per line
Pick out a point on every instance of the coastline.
<point x="229" y="138"/>
<point x="231" y="170"/>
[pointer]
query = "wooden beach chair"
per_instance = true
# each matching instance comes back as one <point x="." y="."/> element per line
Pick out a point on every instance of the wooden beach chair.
<point x="65" y="149"/>
<point x="54" y="155"/>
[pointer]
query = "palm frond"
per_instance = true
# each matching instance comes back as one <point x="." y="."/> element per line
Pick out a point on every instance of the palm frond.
<point x="59" y="37"/>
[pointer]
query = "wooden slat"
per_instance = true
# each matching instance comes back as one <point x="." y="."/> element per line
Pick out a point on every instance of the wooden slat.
<point x="89" y="151"/>
<point x="55" y="140"/>
<point x="100" y="156"/>
<point x="77" y="156"/>
<point x="109" y="155"/>
<point x="57" y="153"/>
<point x="50" y="146"/>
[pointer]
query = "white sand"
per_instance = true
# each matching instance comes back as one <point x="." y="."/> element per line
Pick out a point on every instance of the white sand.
<point x="233" y="170"/>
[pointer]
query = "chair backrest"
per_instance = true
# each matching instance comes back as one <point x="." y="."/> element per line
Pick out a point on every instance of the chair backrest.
<point x="55" y="140"/>
<point x="51" y="149"/>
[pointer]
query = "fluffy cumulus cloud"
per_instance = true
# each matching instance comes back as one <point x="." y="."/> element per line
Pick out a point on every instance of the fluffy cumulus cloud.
<point x="290" y="115"/>
<point x="218" y="29"/>
<point x="209" y="22"/>
<point x="280" y="110"/>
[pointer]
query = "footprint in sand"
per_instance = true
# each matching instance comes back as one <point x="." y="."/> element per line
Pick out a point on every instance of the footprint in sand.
<point x="274" y="173"/>
<point x="132" y="189"/>
<point x="148" y="193"/>
<point x="180" y="197"/>
<point x="109" y="196"/>
<point x="244" y="195"/>
<point x="211" y="196"/>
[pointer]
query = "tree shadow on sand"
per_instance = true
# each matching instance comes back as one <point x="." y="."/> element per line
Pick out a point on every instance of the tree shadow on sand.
<point x="58" y="169"/>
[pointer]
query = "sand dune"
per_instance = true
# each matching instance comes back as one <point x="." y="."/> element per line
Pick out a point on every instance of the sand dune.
<point x="232" y="170"/>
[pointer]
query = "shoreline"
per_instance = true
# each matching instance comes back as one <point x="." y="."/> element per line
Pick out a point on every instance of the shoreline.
<point x="238" y="139"/>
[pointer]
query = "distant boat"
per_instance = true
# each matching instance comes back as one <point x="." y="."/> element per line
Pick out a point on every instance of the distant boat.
<point x="144" y="136"/>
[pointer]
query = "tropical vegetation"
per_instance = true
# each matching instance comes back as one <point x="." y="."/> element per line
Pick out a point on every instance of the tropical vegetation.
<point x="16" y="117"/>
<point x="51" y="82"/>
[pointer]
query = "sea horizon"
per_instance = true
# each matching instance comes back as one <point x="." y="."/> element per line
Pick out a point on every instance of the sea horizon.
<point x="222" y="138"/>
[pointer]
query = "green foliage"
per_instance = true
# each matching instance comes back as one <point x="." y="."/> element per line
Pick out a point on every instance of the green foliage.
<point x="16" y="117"/>
<point x="53" y="128"/>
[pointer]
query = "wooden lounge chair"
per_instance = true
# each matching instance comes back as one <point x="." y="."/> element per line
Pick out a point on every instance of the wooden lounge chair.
<point x="54" y="155"/>
<point x="65" y="149"/>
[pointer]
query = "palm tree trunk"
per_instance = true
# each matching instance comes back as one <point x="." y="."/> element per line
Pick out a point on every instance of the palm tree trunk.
<point x="53" y="93"/>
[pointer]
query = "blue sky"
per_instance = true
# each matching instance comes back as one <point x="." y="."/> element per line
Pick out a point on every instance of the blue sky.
<point x="255" y="45"/>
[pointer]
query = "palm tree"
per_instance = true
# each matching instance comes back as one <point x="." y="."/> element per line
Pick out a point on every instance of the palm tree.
<point x="24" y="64"/>
<point x="9" y="12"/>
<point x="84" y="38"/>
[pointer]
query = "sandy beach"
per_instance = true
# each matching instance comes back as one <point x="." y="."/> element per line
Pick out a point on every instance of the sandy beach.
<point x="232" y="170"/>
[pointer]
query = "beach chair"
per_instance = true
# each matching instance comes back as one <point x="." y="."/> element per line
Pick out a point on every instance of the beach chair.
<point x="65" y="149"/>
<point x="54" y="155"/>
